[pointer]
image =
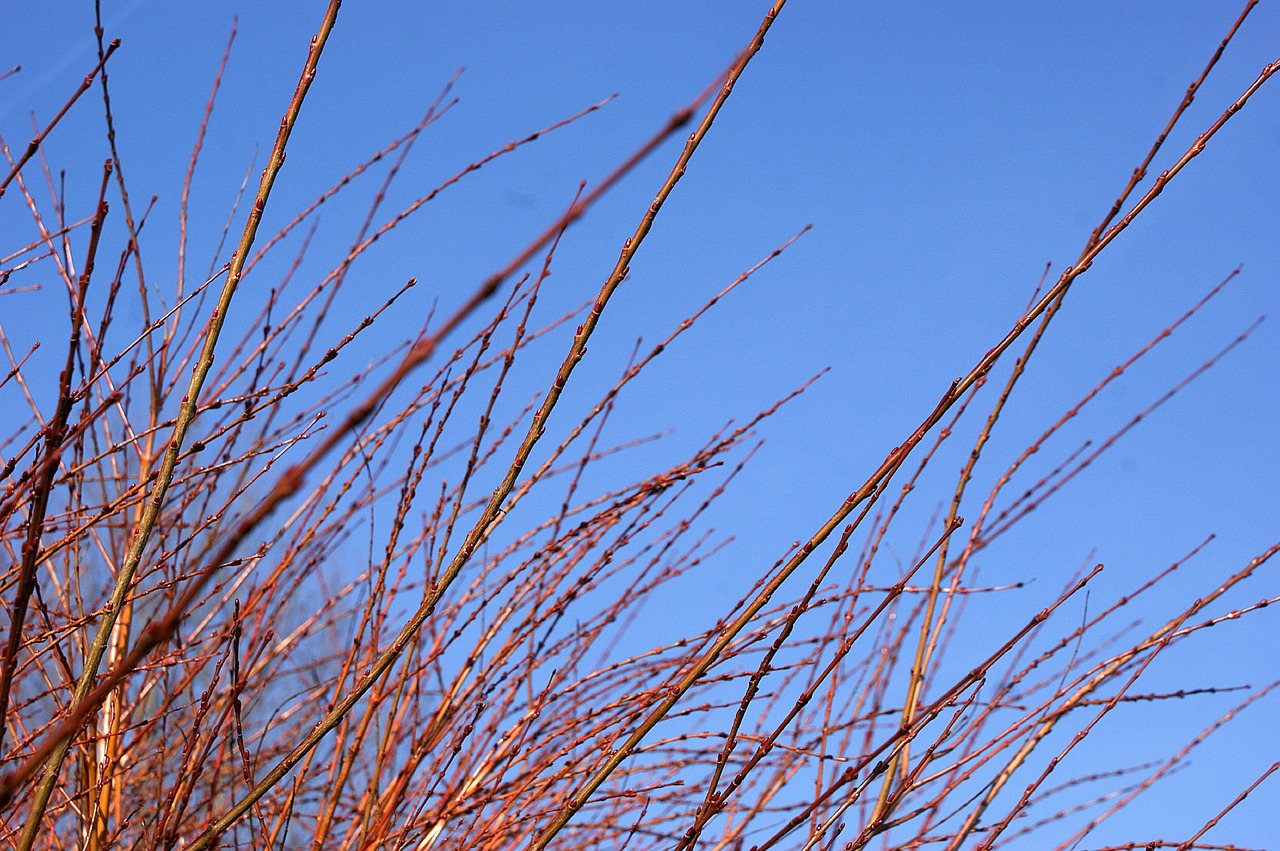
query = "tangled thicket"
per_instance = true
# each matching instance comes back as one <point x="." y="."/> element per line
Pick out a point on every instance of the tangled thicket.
<point x="260" y="595"/>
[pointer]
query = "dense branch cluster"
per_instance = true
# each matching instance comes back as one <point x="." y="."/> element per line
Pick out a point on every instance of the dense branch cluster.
<point x="260" y="594"/>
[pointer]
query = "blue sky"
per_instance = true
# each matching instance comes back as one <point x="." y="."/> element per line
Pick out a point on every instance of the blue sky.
<point x="943" y="155"/>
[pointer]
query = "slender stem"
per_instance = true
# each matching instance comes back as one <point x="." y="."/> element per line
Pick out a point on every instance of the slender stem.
<point x="34" y="144"/>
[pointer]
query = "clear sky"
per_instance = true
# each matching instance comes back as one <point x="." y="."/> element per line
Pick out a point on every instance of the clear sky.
<point x="943" y="152"/>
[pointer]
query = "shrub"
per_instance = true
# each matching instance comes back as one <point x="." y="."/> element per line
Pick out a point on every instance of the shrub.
<point x="303" y="553"/>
